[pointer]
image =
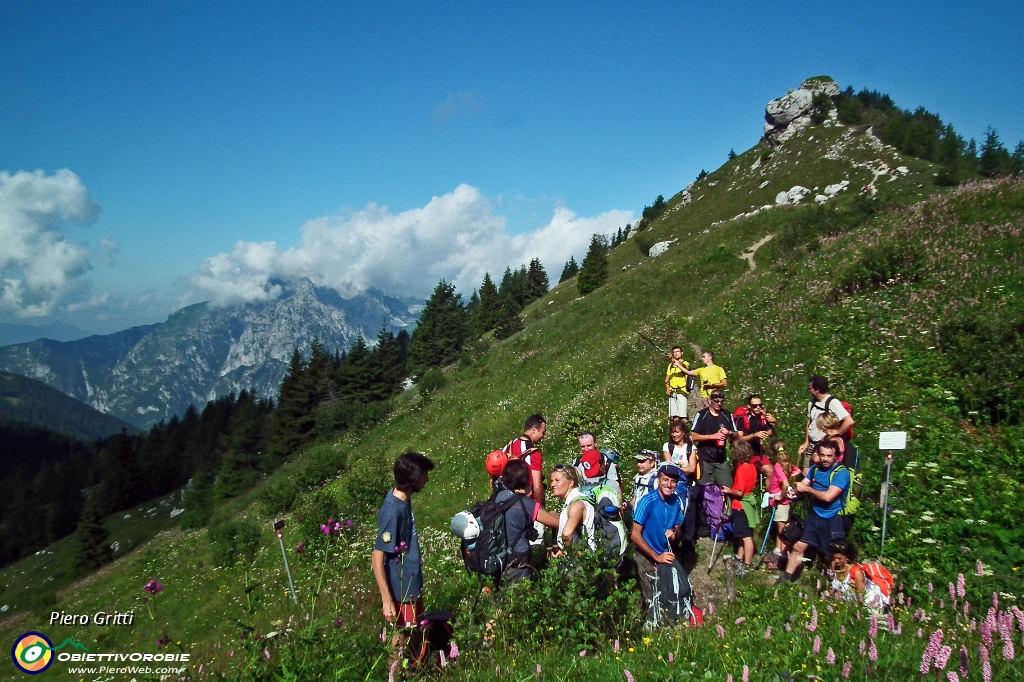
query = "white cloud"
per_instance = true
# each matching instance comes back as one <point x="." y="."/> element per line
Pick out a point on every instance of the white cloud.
<point x="456" y="236"/>
<point x="38" y="264"/>
<point x="108" y="247"/>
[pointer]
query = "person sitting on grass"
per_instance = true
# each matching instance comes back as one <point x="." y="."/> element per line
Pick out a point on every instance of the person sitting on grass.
<point x="870" y="582"/>
<point x="396" y="552"/>
<point x="825" y="489"/>
<point x="576" y="521"/>
<point x="520" y="519"/>
<point x="744" y="507"/>
<point x="780" y="488"/>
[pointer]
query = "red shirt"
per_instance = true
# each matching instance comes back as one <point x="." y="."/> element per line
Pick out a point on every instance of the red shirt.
<point x="518" y="446"/>
<point x="744" y="481"/>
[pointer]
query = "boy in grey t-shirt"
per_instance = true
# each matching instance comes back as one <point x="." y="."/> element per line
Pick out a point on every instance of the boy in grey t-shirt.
<point x="396" y="552"/>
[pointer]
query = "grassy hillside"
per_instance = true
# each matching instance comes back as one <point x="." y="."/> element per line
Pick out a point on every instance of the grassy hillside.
<point x="909" y="301"/>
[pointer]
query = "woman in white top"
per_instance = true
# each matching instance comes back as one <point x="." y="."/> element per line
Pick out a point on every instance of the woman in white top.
<point x="577" y="517"/>
<point x="677" y="450"/>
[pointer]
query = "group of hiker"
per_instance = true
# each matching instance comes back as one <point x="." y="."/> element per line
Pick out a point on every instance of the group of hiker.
<point x="702" y="483"/>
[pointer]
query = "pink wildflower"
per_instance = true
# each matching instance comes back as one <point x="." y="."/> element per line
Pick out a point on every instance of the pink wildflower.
<point x="963" y="660"/>
<point x="266" y="652"/>
<point x="920" y="633"/>
<point x="952" y="592"/>
<point x="325" y="529"/>
<point x="979" y="569"/>
<point x="931" y="588"/>
<point x="986" y="672"/>
<point x="892" y="622"/>
<point x="746" y="674"/>
<point x="983" y="652"/>
<point x="453" y="651"/>
<point x="872" y="651"/>
<point x="961" y="586"/>
<point x="863" y="647"/>
<point x="394" y="669"/>
<point x="846" y="669"/>
<point x="1008" y="652"/>
<point x="671" y="658"/>
<point x="942" y="603"/>
<point x="995" y="600"/>
<point x="789" y="628"/>
<point x="629" y="676"/>
<point x="817" y="643"/>
<point x="739" y="620"/>
<point x="830" y="656"/>
<point x="873" y="628"/>
<point x="942" y="657"/>
<point x="813" y="625"/>
<point x="538" y="669"/>
<point x="711" y="608"/>
<point x="728" y="678"/>
<point x="616" y="647"/>
<point x="583" y="653"/>
<point x="300" y="548"/>
<point x="842" y="629"/>
<point x="952" y="677"/>
<point x="967" y="609"/>
<point x="721" y="631"/>
<point x="444" y="661"/>
<point x="1019" y="615"/>
<point x="768" y="632"/>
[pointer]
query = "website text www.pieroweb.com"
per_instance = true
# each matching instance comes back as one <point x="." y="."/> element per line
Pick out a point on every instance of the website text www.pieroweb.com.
<point x="34" y="653"/>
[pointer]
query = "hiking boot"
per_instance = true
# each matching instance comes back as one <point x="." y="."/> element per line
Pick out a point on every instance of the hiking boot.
<point x="742" y="570"/>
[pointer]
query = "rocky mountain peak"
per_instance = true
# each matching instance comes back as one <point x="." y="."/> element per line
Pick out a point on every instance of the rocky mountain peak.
<point x="786" y="116"/>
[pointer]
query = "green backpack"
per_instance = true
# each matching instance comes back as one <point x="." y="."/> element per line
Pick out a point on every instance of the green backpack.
<point x="851" y="499"/>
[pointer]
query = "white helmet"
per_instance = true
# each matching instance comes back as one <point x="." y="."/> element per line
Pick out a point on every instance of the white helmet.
<point x="464" y="525"/>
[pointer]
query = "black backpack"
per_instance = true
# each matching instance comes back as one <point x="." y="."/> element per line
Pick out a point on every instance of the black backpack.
<point x="490" y="552"/>
<point x="673" y="595"/>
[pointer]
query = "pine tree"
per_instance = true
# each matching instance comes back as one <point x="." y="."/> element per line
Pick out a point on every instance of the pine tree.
<point x="732" y="154"/>
<point x="569" y="271"/>
<point x="994" y="159"/>
<point x="1018" y="158"/>
<point x="536" y="280"/>
<point x="486" y="316"/>
<point x="508" y="319"/>
<point x="387" y="371"/>
<point x="319" y="371"/>
<point x="355" y="375"/>
<point x="443" y="328"/>
<point x="92" y="541"/>
<point x="293" y="419"/>
<point x="594" y="270"/>
<point x="402" y="338"/>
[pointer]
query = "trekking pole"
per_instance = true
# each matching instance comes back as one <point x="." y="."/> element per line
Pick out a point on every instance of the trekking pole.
<point x="278" y="525"/>
<point x="769" y="531"/>
<point x="883" y="499"/>
<point x="656" y="346"/>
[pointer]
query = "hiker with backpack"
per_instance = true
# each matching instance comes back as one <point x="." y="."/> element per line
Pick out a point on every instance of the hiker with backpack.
<point x="679" y="449"/>
<point x="676" y="384"/>
<point x="646" y="478"/>
<point x="712" y="429"/>
<point x="755" y="426"/>
<point x="781" y="493"/>
<point x="520" y="518"/>
<point x="872" y="583"/>
<point x="657" y="522"/>
<point x="576" y="520"/>
<point x="711" y="377"/>
<point x="396" y="553"/>
<point x="525" y="448"/>
<point x="596" y="467"/>
<point x="827" y="484"/>
<point x="822" y="402"/>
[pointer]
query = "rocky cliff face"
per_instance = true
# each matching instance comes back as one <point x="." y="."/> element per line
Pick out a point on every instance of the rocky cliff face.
<point x="788" y="115"/>
<point x="146" y="374"/>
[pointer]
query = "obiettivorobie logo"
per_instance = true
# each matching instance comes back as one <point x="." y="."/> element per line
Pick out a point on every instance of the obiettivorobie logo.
<point x="32" y="653"/>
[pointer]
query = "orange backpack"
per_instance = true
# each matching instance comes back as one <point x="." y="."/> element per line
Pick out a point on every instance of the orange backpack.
<point x="879" y="575"/>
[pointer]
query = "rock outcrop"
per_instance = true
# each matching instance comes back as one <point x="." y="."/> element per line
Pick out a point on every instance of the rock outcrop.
<point x="786" y="116"/>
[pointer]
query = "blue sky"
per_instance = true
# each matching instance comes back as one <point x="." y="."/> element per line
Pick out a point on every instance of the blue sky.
<point x="192" y="127"/>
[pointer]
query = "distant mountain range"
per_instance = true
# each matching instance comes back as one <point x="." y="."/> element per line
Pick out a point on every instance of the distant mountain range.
<point x="145" y="374"/>
<point x="32" y="401"/>
<point x="20" y="333"/>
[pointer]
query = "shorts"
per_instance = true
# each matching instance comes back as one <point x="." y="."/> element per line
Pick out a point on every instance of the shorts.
<point x="818" y="532"/>
<point x="719" y="472"/>
<point x="409" y="613"/>
<point x="677" y="406"/>
<point x="782" y="513"/>
<point x="740" y="526"/>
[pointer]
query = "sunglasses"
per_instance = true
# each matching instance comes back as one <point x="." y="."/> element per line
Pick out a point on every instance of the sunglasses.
<point x="717" y="399"/>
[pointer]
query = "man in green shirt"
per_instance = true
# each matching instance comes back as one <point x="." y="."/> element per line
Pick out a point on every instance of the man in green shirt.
<point x="710" y="376"/>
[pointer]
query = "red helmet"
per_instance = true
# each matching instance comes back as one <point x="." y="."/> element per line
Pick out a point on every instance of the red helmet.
<point x="496" y="462"/>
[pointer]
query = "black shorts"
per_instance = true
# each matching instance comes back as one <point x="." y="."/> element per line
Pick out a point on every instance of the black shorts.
<point x="740" y="527"/>
<point x="818" y="532"/>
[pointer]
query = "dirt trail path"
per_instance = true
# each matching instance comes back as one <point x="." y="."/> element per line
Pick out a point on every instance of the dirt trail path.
<point x="748" y="255"/>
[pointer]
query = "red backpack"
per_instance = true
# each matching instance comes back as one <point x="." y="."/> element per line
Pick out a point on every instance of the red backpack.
<point x="879" y="575"/>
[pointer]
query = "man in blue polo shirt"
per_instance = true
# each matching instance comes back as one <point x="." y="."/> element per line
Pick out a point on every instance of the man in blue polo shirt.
<point x="826" y="484"/>
<point x="657" y="520"/>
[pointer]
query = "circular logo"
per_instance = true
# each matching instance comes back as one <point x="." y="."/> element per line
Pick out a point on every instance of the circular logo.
<point x="32" y="653"/>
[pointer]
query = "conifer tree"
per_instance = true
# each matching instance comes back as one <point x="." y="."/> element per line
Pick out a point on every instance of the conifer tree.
<point x="486" y="316"/>
<point x="1018" y="158"/>
<point x="994" y="159"/>
<point x="386" y="367"/>
<point x="508" y="319"/>
<point x="92" y="541"/>
<point x="536" y="280"/>
<point x="355" y="375"/>
<point x="594" y="270"/>
<point x="293" y="419"/>
<point x="443" y="328"/>
<point x="570" y="270"/>
<point x="402" y="338"/>
<point x="319" y="371"/>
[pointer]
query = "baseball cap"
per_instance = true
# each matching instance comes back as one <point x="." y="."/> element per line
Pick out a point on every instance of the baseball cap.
<point x="646" y="454"/>
<point x="464" y="525"/>
<point x="496" y="462"/>
<point x="591" y="463"/>
<point x="670" y="469"/>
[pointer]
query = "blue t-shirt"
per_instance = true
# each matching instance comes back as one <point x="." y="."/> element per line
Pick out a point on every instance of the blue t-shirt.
<point x="517" y="523"/>
<point x="820" y="481"/>
<point x="657" y="515"/>
<point x="398" y="539"/>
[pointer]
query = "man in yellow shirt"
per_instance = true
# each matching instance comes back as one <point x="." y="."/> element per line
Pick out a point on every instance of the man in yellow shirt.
<point x="675" y="384"/>
<point x="710" y="376"/>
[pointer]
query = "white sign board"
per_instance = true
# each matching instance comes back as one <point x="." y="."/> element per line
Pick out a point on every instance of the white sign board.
<point x="892" y="440"/>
